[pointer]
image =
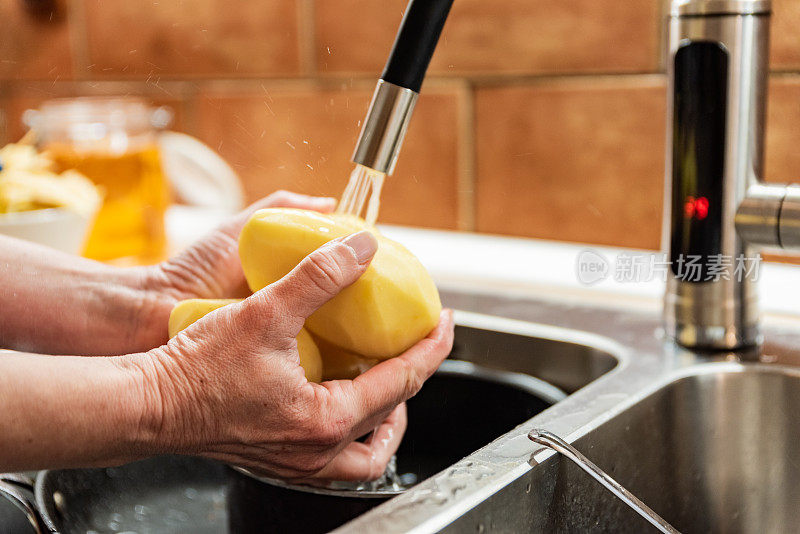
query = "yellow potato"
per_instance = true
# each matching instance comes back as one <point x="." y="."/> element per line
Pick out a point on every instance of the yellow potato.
<point x="187" y="312"/>
<point x="339" y="364"/>
<point x="310" y="359"/>
<point x="392" y="306"/>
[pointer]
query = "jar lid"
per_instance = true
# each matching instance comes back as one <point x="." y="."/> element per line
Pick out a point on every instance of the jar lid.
<point x="126" y="113"/>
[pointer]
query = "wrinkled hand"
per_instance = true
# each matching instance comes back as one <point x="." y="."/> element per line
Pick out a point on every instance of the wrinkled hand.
<point x="229" y="387"/>
<point x="208" y="269"/>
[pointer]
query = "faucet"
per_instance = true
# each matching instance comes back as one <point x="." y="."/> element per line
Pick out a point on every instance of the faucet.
<point x="718" y="213"/>
<point x="398" y="88"/>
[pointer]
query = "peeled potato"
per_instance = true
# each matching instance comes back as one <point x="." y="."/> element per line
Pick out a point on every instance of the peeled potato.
<point x="339" y="364"/>
<point x="187" y="312"/>
<point x="392" y="306"/>
<point x="310" y="359"/>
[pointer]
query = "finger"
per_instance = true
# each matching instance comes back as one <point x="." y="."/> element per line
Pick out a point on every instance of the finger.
<point x="320" y="276"/>
<point x="368" y="460"/>
<point x="370" y="396"/>
<point x="214" y="260"/>
<point x="287" y="199"/>
<point x="278" y="199"/>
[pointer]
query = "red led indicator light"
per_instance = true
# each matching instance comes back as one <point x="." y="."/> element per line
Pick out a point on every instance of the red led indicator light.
<point x="688" y="207"/>
<point x="695" y="208"/>
<point x="701" y="208"/>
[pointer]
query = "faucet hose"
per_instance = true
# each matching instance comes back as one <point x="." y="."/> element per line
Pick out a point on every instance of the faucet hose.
<point x="416" y="40"/>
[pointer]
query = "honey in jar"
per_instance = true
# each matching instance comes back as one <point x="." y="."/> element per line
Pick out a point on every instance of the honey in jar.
<point x="113" y="142"/>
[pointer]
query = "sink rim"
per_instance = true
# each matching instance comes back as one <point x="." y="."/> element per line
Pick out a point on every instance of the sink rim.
<point x="604" y="345"/>
<point x="495" y="323"/>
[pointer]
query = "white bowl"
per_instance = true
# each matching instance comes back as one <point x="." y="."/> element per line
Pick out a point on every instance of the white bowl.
<point x="54" y="227"/>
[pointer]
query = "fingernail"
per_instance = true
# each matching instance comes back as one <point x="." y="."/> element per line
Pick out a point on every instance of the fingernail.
<point x="363" y="244"/>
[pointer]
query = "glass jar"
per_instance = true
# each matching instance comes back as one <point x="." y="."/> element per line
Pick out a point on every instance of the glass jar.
<point x="113" y="141"/>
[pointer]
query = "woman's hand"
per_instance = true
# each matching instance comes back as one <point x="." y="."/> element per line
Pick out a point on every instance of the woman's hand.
<point x="57" y="303"/>
<point x="230" y="386"/>
<point x="208" y="269"/>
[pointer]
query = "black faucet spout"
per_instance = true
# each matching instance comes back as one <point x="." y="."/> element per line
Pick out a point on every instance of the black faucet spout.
<point x="396" y="94"/>
<point x="416" y="41"/>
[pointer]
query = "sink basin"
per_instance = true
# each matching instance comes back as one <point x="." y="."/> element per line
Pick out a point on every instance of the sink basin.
<point x="710" y="443"/>
<point x="714" y="450"/>
<point x="568" y="359"/>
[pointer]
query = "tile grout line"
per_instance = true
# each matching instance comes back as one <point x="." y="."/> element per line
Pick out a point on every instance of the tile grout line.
<point x="190" y="94"/>
<point x="306" y="38"/>
<point x="662" y="34"/>
<point x="479" y="79"/>
<point x="78" y="37"/>
<point x="466" y="200"/>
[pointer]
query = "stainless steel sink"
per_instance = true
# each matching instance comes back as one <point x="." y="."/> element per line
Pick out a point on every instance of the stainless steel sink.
<point x="715" y="451"/>
<point x="711" y="444"/>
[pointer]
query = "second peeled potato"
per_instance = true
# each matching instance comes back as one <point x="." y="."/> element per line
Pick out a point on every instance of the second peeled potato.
<point x="186" y="312"/>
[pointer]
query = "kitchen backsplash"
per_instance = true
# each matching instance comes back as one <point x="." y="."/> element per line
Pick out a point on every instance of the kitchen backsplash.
<point x="541" y="118"/>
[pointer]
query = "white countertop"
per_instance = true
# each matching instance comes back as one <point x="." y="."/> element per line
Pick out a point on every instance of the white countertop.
<point x="506" y="265"/>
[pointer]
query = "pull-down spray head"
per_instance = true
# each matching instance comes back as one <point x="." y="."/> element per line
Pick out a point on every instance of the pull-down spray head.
<point x="396" y="93"/>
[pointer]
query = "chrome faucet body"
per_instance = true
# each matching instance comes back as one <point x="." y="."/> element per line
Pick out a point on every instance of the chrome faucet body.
<point x="718" y="213"/>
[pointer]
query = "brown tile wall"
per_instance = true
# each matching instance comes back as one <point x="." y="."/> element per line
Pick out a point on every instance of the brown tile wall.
<point x="574" y="159"/>
<point x="540" y="118"/>
<point x="300" y="136"/>
<point x="192" y="38"/>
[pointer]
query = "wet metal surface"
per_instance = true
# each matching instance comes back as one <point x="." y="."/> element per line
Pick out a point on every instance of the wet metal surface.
<point x="703" y="439"/>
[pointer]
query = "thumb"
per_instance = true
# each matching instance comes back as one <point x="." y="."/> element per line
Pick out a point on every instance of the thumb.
<point x="322" y="275"/>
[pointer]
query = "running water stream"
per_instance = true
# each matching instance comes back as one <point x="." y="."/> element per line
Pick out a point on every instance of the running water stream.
<point x="364" y="186"/>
